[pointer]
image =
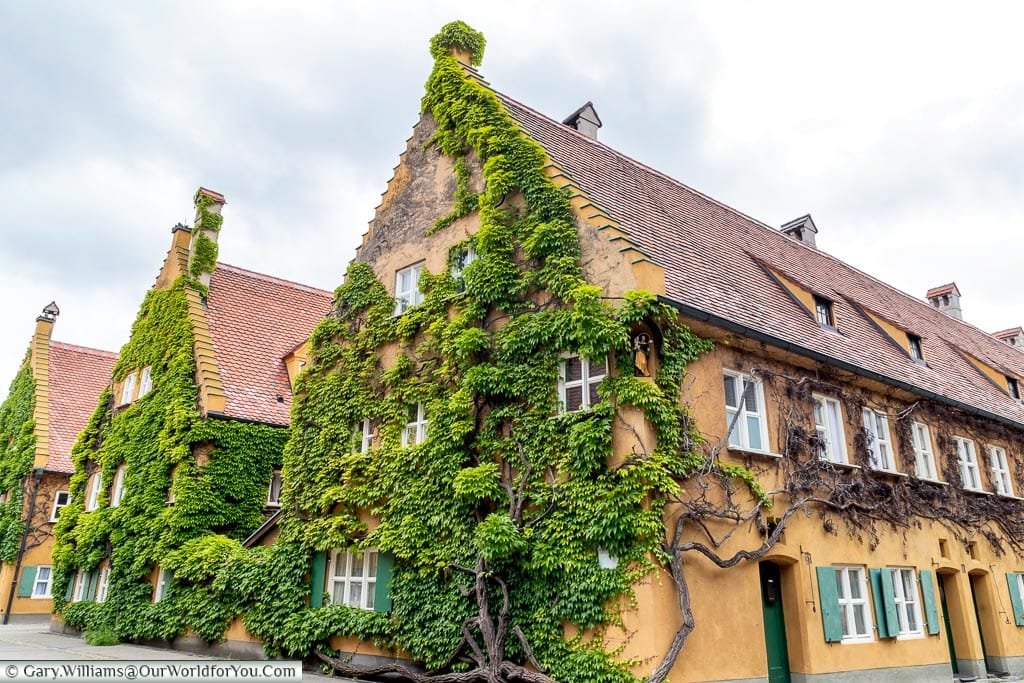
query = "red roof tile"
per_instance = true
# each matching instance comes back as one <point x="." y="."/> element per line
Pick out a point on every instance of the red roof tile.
<point x="708" y="251"/>
<point x="255" y="321"/>
<point x="77" y="376"/>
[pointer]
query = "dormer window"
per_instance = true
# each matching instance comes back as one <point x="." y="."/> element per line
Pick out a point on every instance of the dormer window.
<point x="916" y="352"/>
<point x="128" y="390"/>
<point x="823" y="312"/>
<point x="145" y="381"/>
<point x="1013" y="386"/>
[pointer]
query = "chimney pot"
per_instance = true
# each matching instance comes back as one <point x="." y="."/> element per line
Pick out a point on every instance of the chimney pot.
<point x="801" y="229"/>
<point x="50" y="312"/>
<point x="946" y="298"/>
<point x="585" y="120"/>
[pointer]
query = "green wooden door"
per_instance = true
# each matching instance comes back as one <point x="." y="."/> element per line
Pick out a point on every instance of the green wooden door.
<point x="945" y="622"/>
<point x="774" y="623"/>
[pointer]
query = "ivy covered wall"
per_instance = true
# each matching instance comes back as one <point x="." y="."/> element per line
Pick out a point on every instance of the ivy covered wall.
<point x="218" y="471"/>
<point x="505" y="496"/>
<point x="17" y="441"/>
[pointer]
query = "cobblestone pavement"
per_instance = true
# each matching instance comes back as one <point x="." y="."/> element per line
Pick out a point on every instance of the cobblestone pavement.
<point x="34" y="642"/>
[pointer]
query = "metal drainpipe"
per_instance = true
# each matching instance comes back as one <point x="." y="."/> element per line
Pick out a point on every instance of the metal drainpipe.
<point x="37" y="475"/>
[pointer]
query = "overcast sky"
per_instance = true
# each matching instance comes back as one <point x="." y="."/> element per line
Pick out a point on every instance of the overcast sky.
<point x="899" y="126"/>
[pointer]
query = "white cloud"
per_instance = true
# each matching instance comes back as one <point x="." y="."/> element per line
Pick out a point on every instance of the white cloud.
<point x="896" y="124"/>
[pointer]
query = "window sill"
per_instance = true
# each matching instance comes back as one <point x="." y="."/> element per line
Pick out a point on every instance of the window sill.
<point x="754" y="451"/>
<point x="273" y="505"/>
<point x="889" y="473"/>
<point x="1008" y="496"/>
<point x="979" y="492"/>
<point x="910" y="636"/>
<point x="839" y="465"/>
<point x="937" y="482"/>
<point x="41" y="597"/>
<point x="857" y="641"/>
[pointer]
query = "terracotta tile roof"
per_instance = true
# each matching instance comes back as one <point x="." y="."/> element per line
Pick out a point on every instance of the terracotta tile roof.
<point x="942" y="289"/>
<point x="710" y="251"/>
<point x="77" y="376"/>
<point x="255" y="321"/>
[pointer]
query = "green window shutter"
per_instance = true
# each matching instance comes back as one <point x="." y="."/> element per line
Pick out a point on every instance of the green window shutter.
<point x="385" y="569"/>
<point x="318" y="575"/>
<point x="877" y="597"/>
<point x="28" y="580"/>
<point x="90" y="591"/>
<point x="892" y="618"/>
<point x="931" y="612"/>
<point x="828" y="597"/>
<point x="69" y="593"/>
<point x="1015" y="599"/>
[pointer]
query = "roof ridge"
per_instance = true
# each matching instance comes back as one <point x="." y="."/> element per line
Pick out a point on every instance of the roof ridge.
<point x="83" y="349"/>
<point x="620" y="155"/>
<point x="272" y="278"/>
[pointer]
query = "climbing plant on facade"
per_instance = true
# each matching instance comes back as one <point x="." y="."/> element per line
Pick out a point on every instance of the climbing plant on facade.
<point x="17" y="451"/>
<point x="193" y="486"/>
<point x="496" y="520"/>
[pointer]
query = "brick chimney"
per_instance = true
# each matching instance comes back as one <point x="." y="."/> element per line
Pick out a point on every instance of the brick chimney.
<point x="802" y="229"/>
<point x="585" y="120"/>
<point x="947" y="299"/>
<point x="202" y="255"/>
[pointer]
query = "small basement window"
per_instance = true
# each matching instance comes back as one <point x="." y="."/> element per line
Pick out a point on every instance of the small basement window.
<point x="823" y="311"/>
<point x="916" y="352"/>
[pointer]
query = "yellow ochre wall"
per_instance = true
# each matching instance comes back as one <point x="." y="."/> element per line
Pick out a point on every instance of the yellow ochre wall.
<point x="728" y="641"/>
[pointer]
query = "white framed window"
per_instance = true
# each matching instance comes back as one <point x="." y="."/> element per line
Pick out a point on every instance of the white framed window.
<point x="876" y="426"/>
<point x="145" y="381"/>
<point x="851" y="584"/>
<point x="92" y="491"/>
<point x="352" y="578"/>
<point x="163" y="583"/>
<point x="578" y="378"/>
<point x="461" y="260"/>
<point x="128" y="389"/>
<point x="102" y="584"/>
<point x="970" y="476"/>
<point x="362" y="436"/>
<point x="924" y="454"/>
<point x="828" y="422"/>
<point x="117" y="490"/>
<point x="81" y="584"/>
<point x="274" y="491"/>
<point x="908" y="602"/>
<point x="744" y="405"/>
<point x="415" y="430"/>
<point x="1000" y="470"/>
<point x="60" y="500"/>
<point x="407" y="288"/>
<point x="44" y="582"/>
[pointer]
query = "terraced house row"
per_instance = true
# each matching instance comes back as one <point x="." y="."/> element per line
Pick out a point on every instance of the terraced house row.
<point x="565" y="418"/>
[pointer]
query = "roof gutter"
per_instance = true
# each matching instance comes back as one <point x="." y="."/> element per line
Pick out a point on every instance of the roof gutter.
<point x="718" y="321"/>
